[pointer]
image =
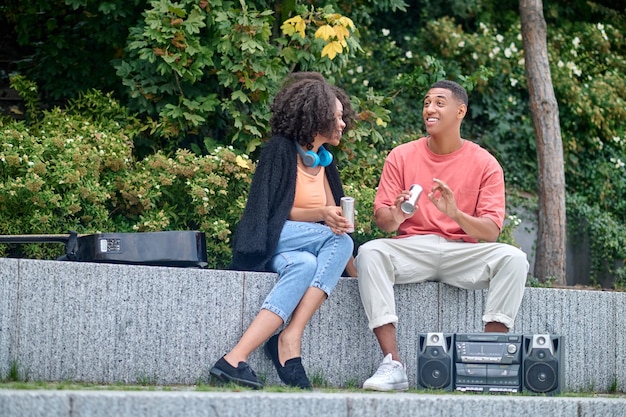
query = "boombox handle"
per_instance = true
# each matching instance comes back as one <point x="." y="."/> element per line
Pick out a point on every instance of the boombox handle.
<point x="70" y="240"/>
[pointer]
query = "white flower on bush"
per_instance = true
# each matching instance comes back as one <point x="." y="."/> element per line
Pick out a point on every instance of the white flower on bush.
<point x="366" y="82"/>
<point x="576" y="41"/>
<point x="499" y="38"/>
<point x="601" y="29"/>
<point x="409" y="54"/>
<point x="618" y="163"/>
<point x="386" y="32"/>
<point x="461" y="44"/>
<point x="359" y="69"/>
<point x="598" y="142"/>
<point x="574" y="69"/>
<point x="515" y="221"/>
<point x="513" y="82"/>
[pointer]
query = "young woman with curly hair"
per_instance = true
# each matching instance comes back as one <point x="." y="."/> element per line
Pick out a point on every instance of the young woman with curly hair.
<point x="293" y="225"/>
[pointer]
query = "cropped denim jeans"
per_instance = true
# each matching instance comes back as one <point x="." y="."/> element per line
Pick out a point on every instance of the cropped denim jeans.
<point x="307" y="255"/>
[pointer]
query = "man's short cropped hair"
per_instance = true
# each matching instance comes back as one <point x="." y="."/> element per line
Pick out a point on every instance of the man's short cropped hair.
<point x="457" y="90"/>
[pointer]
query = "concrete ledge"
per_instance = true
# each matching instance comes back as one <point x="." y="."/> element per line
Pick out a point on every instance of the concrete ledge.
<point x="106" y="323"/>
<point x="260" y="404"/>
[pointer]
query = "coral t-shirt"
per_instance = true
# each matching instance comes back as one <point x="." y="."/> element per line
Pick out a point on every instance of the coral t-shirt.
<point x="473" y="174"/>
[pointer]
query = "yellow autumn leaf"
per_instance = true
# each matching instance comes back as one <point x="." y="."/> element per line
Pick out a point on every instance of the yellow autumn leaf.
<point x="293" y="25"/>
<point x="346" y="22"/>
<point x="380" y="122"/>
<point x="332" y="49"/>
<point x="325" y="32"/>
<point x="288" y="29"/>
<point x="242" y="162"/>
<point x="341" y="32"/>
<point x="300" y="27"/>
<point x="294" y="20"/>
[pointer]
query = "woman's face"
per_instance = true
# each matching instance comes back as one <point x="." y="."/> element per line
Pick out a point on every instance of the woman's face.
<point x="335" y="134"/>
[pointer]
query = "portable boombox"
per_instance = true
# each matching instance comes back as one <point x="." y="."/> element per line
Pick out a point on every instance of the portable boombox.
<point x="490" y="362"/>
<point x="169" y="248"/>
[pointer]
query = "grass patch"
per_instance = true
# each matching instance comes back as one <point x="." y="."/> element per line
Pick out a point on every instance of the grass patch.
<point x="203" y="387"/>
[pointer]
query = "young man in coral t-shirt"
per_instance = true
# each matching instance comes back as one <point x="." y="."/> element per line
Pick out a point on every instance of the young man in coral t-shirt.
<point x="450" y="236"/>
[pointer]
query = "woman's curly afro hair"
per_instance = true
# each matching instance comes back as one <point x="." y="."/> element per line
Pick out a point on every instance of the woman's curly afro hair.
<point x="305" y="106"/>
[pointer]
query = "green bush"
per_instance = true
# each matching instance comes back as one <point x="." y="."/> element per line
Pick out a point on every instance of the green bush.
<point x="607" y="238"/>
<point x="73" y="172"/>
<point x="204" y="72"/>
<point x="67" y="45"/>
<point x="59" y="176"/>
<point x="186" y="192"/>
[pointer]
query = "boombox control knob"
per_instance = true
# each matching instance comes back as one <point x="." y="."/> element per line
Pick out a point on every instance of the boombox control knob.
<point x="511" y="349"/>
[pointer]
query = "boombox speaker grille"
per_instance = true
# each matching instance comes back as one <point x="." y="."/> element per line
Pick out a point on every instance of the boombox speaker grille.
<point x="434" y="361"/>
<point x="542" y="367"/>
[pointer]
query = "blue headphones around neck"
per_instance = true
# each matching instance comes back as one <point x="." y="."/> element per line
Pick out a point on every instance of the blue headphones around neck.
<point x="311" y="159"/>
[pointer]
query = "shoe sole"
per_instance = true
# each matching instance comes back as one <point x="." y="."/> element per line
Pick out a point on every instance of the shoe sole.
<point x="396" y="387"/>
<point x="225" y="378"/>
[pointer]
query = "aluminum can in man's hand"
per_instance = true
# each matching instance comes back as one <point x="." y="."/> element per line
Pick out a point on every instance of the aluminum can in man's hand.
<point x="408" y="206"/>
<point x="347" y="207"/>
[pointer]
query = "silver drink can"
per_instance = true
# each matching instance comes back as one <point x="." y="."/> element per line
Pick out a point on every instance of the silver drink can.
<point x="347" y="207"/>
<point x="408" y="206"/>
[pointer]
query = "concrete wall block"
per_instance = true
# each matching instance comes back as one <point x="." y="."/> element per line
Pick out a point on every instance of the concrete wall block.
<point x="116" y="323"/>
<point x="461" y="310"/>
<point x="585" y="319"/>
<point x="9" y="286"/>
<point x="619" y="332"/>
<point x="338" y="357"/>
<point x="295" y="404"/>
<point x="120" y="323"/>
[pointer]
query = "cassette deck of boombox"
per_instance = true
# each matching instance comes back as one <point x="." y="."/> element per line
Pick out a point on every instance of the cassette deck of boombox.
<point x="488" y="362"/>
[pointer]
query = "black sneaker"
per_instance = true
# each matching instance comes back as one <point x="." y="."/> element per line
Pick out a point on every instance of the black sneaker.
<point x="293" y="373"/>
<point x="241" y="375"/>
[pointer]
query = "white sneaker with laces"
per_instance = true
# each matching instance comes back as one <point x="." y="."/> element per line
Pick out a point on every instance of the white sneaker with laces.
<point x="390" y="376"/>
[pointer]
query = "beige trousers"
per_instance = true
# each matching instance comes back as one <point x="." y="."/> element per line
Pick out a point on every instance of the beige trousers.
<point x="382" y="263"/>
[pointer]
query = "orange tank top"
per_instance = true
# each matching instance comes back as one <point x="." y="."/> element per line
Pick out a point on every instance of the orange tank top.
<point x="310" y="192"/>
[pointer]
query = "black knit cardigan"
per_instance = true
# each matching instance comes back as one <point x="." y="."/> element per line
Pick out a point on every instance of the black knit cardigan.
<point x="270" y="200"/>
